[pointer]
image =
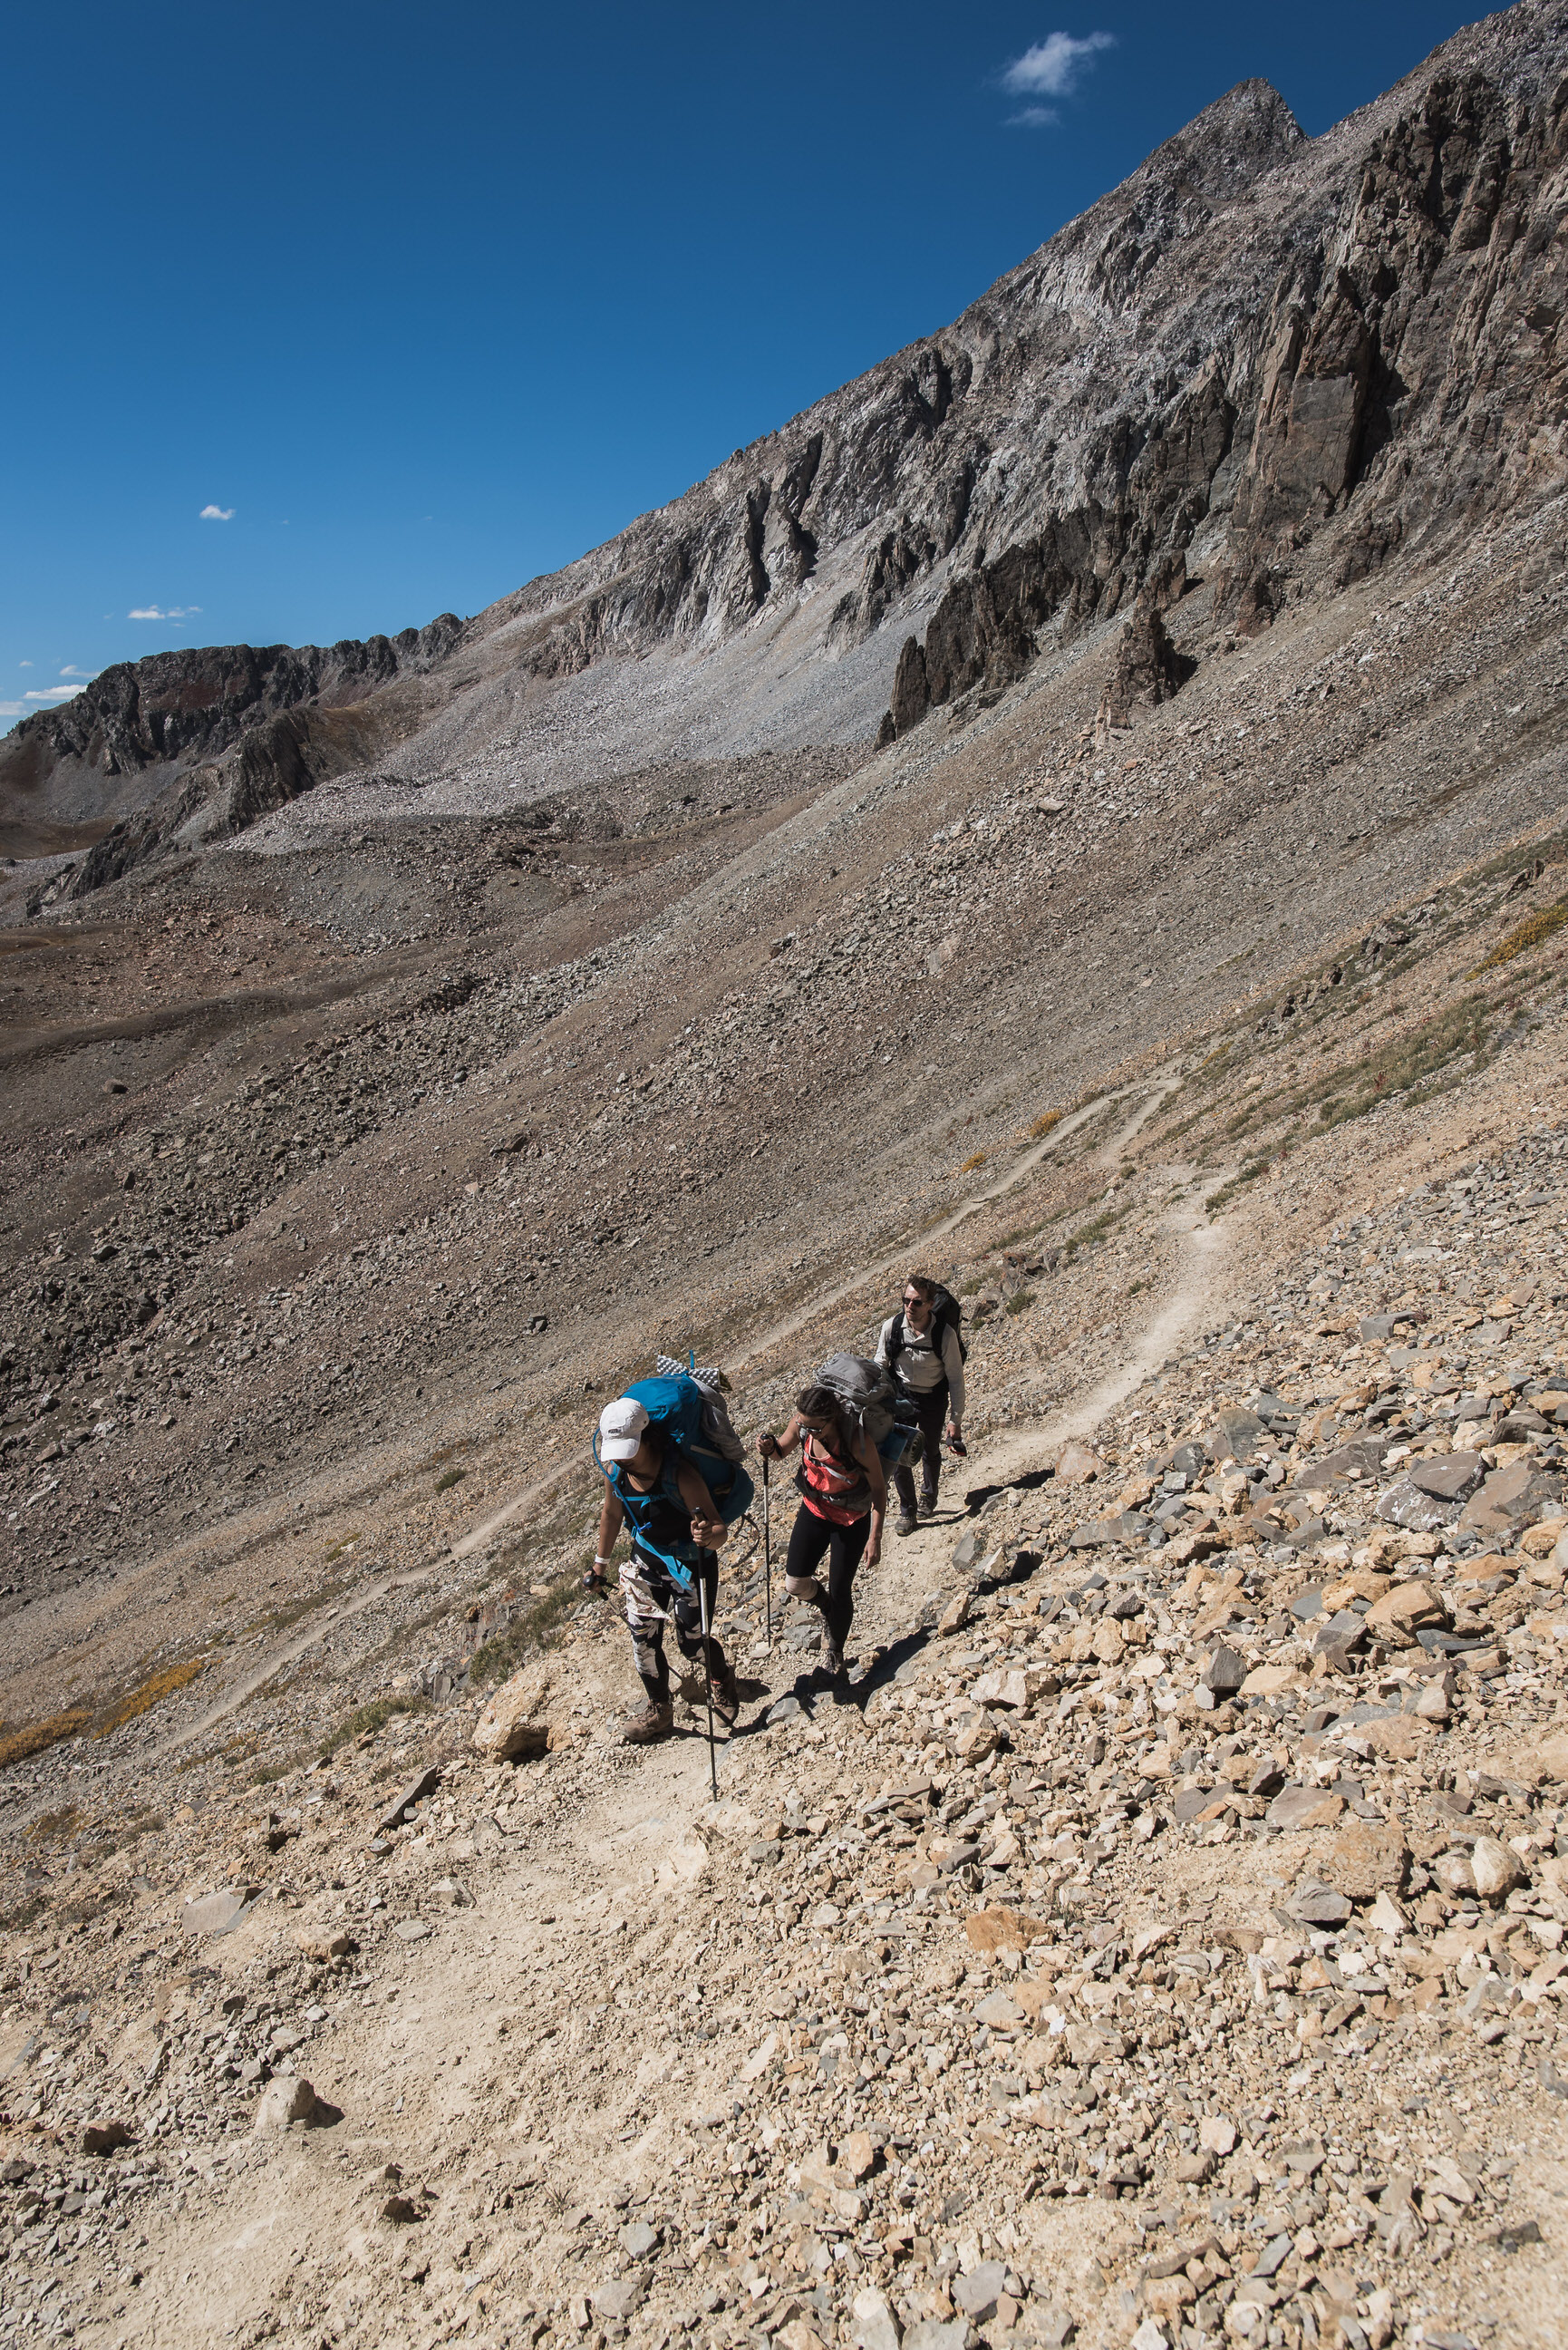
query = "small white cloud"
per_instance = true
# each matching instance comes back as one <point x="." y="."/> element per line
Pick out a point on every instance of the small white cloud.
<point x="52" y="693"/>
<point x="23" y="664"/>
<point x="153" y="612"/>
<point x="13" y="710"/>
<point x="216" y="514"/>
<point x="1051" y="68"/>
<point x="70" y="670"/>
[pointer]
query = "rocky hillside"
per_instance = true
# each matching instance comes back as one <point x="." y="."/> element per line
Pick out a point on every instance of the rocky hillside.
<point x="1149" y="916"/>
<point x="177" y="709"/>
<point x="1159" y="1937"/>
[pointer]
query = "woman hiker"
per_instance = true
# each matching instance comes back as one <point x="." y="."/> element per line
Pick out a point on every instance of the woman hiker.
<point x="845" y="1489"/>
<point x="921" y="1347"/>
<point x="676" y="1531"/>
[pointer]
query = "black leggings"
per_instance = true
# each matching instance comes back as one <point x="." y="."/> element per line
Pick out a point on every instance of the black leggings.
<point x="932" y="1410"/>
<point x="815" y="1538"/>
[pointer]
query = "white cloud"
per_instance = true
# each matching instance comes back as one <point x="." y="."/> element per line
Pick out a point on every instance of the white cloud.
<point x="174" y="612"/>
<point x="216" y="514"/>
<point x="52" y="693"/>
<point x="13" y="710"/>
<point x="70" y="670"/>
<point x="1051" y="68"/>
<point x="23" y="664"/>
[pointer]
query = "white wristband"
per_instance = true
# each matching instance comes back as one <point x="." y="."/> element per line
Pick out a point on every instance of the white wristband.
<point x="601" y="1562"/>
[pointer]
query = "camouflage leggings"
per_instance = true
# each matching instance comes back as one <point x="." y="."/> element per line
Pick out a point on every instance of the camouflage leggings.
<point x="653" y="1598"/>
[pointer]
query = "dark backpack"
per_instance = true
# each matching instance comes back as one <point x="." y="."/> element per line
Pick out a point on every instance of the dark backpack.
<point x="946" y="1314"/>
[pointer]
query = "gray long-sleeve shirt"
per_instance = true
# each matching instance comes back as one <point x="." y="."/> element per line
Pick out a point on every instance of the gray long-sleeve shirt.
<point x="919" y="1367"/>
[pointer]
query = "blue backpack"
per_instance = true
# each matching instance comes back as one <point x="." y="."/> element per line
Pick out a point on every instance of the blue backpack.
<point x="695" y="1423"/>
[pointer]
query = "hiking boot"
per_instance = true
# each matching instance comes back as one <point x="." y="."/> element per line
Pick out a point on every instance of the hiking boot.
<point x="833" y="1663"/>
<point x="928" y="1505"/>
<point x="908" y="1523"/>
<point x="726" y="1688"/>
<point x="647" y="1727"/>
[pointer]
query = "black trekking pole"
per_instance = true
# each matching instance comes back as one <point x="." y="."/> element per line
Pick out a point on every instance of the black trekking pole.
<point x="708" y="1678"/>
<point x="768" y="1551"/>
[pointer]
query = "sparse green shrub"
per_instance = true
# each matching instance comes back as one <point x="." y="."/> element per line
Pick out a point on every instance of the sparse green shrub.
<point x="368" y="1717"/>
<point x="539" y="1627"/>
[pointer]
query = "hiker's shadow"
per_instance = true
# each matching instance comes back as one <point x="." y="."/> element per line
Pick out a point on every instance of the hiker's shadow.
<point x="977" y="1496"/>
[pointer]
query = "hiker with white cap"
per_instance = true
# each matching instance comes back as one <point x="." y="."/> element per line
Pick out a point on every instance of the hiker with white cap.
<point x="672" y="1574"/>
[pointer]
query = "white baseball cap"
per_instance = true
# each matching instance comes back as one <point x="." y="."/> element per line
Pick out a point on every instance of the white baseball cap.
<point x="621" y="1424"/>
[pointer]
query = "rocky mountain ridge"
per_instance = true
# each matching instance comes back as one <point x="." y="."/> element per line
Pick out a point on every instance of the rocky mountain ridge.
<point x="177" y="709"/>
<point x="1276" y="356"/>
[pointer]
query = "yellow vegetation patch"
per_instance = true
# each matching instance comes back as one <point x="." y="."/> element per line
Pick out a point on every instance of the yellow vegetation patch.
<point x="1526" y="934"/>
<point x="140" y="1701"/>
<point x="39" y="1734"/>
<point x="970" y="1164"/>
<point x="1042" y="1126"/>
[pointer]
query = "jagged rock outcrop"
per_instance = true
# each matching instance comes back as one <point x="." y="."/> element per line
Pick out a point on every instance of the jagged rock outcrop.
<point x="1048" y="443"/>
<point x="1148" y="668"/>
<point x="175" y="708"/>
<point x="273" y="764"/>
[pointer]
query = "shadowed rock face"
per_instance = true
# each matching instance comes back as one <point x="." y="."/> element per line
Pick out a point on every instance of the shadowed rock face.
<point x="1379" y="378"/>
<point x="176" y="707"/>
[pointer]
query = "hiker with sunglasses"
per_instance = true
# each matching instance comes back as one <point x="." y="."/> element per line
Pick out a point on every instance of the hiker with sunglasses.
<point x="922" y="1348"/>
<point x="843" y="1487"/>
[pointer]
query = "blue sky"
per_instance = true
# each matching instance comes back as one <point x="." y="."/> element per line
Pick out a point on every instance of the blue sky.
<point x="325" y="319"/>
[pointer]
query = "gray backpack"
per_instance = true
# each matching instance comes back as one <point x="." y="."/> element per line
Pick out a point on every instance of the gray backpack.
<point x="866" y="1391"/>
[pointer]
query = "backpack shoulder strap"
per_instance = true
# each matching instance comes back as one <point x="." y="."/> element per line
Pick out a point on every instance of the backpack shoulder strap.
<point x="893" y="1337"/>
<point x="950" y="1319"/>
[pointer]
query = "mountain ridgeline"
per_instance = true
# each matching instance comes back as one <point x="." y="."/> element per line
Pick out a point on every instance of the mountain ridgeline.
<point x="1263" y="360"/>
